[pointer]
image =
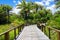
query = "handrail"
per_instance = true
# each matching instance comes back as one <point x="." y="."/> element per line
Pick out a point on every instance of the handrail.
<point x="6" y="33"/>
<point x="8" y="30"/>
<point x="54" y="29"/>
<point x="58" y="31"/>
<point x="49" y="29"/>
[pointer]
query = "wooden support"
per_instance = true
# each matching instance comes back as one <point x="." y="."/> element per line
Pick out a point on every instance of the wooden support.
<point x="44" y="29"/>
<point x="18" y="30"/>
<point x="15" y="34"/>
<point x="21" y="28"/>
<point x="49" y="33"/>
<point x="7" y="36"/>
<point x="58" y="35"/>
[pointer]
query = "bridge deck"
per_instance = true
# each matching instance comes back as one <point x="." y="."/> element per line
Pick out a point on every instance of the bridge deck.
<point x="32" y="33"/>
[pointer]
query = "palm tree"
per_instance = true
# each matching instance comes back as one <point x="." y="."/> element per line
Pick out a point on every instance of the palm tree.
<point x="37" y="7"/>
<point x="5" y="11"/>
<point x="7" y="8"/>
<point x="26" y="7"/>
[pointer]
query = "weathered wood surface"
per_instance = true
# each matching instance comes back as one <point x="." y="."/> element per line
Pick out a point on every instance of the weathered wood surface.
<point x="32" y="32"/>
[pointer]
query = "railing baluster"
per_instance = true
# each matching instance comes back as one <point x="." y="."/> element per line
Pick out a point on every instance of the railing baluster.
<point x="58" y="35"/>
<point x="21" y="28"/>
<point x="44" y="29"/>
<point x="18" y="30"/>
<point x="15" y="34"/>
<point x="49" y="33"/>
<point x="7" y="36"/>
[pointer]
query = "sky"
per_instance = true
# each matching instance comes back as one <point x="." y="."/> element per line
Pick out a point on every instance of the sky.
<point x="49" y="4"/>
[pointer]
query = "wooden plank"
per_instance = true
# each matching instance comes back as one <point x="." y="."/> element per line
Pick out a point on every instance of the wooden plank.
<point x="32" y="32"/>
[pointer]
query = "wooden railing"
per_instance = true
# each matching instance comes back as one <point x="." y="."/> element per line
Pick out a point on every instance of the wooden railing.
<point x="49" y="29"/>
<point x="6" y="33"/>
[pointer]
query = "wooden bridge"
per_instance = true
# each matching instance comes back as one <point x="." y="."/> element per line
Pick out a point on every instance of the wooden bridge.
<point x="31" y="32"/>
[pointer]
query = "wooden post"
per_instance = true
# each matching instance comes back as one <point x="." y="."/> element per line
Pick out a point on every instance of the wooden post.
<point x="49" y="33"/>
<point x="18" y="30"/>
<point x="7" y="36"/>
<point x="21" y="28"/>
<point x="15" y="34"/>
<point x="58" y="35"/>
<point x="42" y="28"/>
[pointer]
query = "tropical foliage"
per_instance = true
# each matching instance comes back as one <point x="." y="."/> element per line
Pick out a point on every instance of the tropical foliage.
<point x="55" y="21"/>
<point x="4" y="13"/>
<point x="30" y="13"/>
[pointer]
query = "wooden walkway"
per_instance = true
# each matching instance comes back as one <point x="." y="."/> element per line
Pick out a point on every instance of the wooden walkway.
<point x="32" y="32"/>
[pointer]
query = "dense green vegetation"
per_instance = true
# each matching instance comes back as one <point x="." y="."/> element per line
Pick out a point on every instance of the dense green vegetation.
<point x="31" y="13"/>
<point x="55" y="20"/>
<point x="4" y="13"/>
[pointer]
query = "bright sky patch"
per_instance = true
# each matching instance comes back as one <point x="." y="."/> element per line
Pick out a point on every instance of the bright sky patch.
<point x="47" y="3"/>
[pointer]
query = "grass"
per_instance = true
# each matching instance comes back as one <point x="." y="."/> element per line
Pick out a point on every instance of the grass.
<point x="11" y="35"/>
<point x="6" y="27"/>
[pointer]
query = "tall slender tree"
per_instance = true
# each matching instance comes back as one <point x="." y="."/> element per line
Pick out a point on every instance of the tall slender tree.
<point x="25" y="8"/>
<point x="37" y="7"/>
<point x="4" y="11"/>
